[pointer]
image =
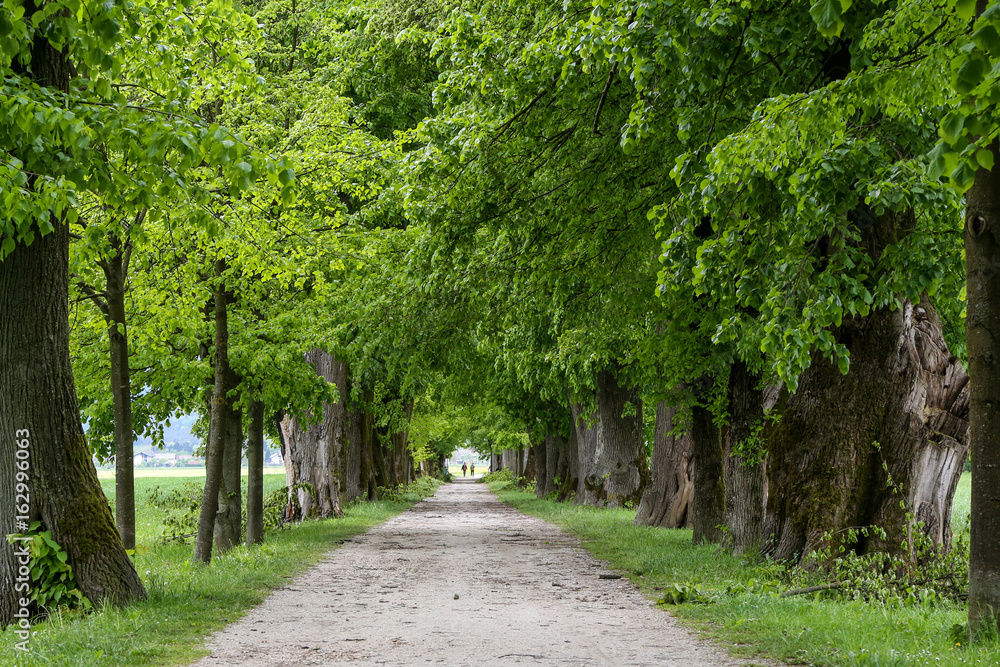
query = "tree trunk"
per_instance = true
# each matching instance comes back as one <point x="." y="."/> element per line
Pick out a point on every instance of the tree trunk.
<point x="41" y="421"/>
<point x="708" y="506"/>
<point x="255" y="474"/>
<point x="586" y="440"/>
<point x="620" y="472"/>
<point x="904" y="392"/>
<point x="667" y="498"/>
<point x="556" y="463"/>
<point x="313" y="458"/>
<point x="571" y="482"/>
<point x="352" y="447"/>
<point x="121" y="395"/>
<point x="369" y="491"/>
<point x="744" y="462"/>
<point x="527" y="463"/>
<point x="229" y="517"/>
<point x="982" y="326"/>
<point x="215" y="451"/>
<point x="540" y="452"/>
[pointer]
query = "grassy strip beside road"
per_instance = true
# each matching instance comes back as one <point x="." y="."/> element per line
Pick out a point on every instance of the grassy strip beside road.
<point x="752" y="620"/>
<point x="187" y="602"/>
<point x="198" y="471"/>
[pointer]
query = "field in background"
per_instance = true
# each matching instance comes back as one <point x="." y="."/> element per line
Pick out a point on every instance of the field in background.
<point x="181" y="472"/>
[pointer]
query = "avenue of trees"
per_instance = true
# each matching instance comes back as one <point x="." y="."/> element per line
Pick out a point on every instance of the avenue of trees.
<point x="732" y="265"/>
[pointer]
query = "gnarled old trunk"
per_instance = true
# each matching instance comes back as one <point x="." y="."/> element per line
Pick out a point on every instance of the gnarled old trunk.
<point x="556" y="462"/>
<point x="667" y="498"/>
<point x="586" y="446"/>
<point x="904" y="392"/>
<point x="619" y="473"/>
<point x="313" y="450"/>
<point x="352" y="448"/>
<point x="708" y="506"/>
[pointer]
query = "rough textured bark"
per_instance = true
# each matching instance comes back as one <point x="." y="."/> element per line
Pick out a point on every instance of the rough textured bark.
<point x="121" y="393"/>
<point x="40" y="416"/>
<point x="708" y="506"/>
<point x="313" y="457"/>
<point x="619" y="473"/>
<point x="586" y="441"/>
<point x="352" y="448"/>
<point x="496" y="462"/>
<point x="229" y="517"/>
<point x="527" y="464"/>
<point x="255" y="473"/>
<point x="744" y="462"/>
<point x="667" y="498"/>
<point x="982" y="322"/>
<point x="556" y="463"/>
<point x="569" y="486"/>
<point x="539" y="454"/>
<point x="369" y="491"/>
<point x="905" y="392"/>
<point x="216" y="429"/>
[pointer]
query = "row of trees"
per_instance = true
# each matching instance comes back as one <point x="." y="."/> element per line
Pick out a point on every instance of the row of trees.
<point x="701" y="260"/>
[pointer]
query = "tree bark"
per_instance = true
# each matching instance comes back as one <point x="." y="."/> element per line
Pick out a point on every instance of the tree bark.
<point x="255" y="473"/>
<point x="745" y="455"/>
<point x="217" y="426"/>
<point x="229" y="517"/>
<point x="314" y="448"/>
<point x="982" y="327"/>
<point x="121" y="394"/>
<point x="708" y="506"/>
<point x="40" y="416"/>
<point x="905" y="392"/>
<point x="571" y="483"/>
<point x="586" y="440"/>
<point x="540" y="452"/>
<point x="620" y="472"/>
<point x="556" y="463"/>
<point x="667" y="498"/>
<point x="352" y="447"/>
<point x="369" y="491"/>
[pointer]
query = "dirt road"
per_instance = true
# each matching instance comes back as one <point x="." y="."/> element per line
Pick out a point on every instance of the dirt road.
<point x="460" y="579"/>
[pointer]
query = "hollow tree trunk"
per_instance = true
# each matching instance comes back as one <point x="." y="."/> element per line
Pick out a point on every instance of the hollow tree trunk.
<point x="905" y="392"/>
<point x="314" y="449"/>
<point x="745" y="455"/>
<point x="255" y="473"/>
<point x="586" y="440"/>
<point x="708" y="506"/>
<point x="620" y="472"/>
<point x="982" y="322"/>
<point x="215" y="451"/>
<point x="229" y="517"/>
<point x="121" y="393"/>
<point x="40" y="416"/>
<point x="667" y="498"/>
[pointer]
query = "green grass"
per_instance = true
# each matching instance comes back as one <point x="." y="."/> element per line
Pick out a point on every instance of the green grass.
<point x="800" y="629"/>
<point x="188" y="602"/>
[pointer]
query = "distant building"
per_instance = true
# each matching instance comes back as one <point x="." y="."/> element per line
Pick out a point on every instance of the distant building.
<point x="275" y="459"/>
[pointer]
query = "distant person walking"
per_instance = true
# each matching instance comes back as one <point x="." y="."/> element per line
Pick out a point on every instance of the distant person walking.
<point x="465" y="467"/>
<point x="472" y="470"/>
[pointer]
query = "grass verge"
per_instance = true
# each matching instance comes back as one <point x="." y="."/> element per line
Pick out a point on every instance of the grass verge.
<point x="188" y="602"/>
<point x="744" y="614"/>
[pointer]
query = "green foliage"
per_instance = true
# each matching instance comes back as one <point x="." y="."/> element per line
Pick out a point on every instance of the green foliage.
<point x="180" y="507"/>
<point x="682" y="593"/>
<point x="52" y="582"/>
<point x="502" y="475"/>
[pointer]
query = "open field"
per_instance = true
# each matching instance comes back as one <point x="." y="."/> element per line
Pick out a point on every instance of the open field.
<point x="181" y="472"/>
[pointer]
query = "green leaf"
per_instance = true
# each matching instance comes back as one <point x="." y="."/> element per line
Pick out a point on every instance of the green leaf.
<point x="827" y="15"/>
<point x="964" y="9"/>
<point x="951" y="126"/>
<point x="984" y="157"/>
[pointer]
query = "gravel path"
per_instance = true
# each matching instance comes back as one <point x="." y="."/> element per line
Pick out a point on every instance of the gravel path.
<point x="460" y="579"/>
